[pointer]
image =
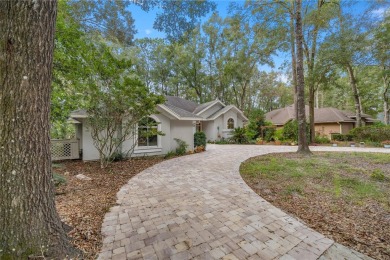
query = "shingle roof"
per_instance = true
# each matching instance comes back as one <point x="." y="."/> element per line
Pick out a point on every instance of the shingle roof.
<point x="181" y="112"/>
<point x="321" y="115"/>
<point x="181" y="103"/>
<point x="203" y="106"/>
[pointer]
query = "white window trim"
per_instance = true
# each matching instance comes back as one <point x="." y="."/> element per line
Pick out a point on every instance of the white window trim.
<point x="149" y="149"/>
<point x="227" y="123"/>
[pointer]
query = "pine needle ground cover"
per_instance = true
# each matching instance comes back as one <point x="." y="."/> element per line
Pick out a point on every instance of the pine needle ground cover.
<point x="82" y="204"/>
<point x="345" y="196"/>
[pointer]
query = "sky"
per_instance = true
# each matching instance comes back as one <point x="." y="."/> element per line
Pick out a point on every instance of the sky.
<point x="144" y="24"/>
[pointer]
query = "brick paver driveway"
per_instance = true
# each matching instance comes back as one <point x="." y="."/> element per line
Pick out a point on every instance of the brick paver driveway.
<point x="198" y="207"/>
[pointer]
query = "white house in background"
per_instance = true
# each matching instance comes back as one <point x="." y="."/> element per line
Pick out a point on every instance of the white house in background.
<point x="177" y="118"/>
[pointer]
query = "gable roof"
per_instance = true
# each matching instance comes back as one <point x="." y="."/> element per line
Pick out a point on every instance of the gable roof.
<point x="183" y="109"/>
<point x="321" y="115"/>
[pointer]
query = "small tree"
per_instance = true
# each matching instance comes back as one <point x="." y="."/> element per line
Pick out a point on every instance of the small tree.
<point x="118" y="101"/>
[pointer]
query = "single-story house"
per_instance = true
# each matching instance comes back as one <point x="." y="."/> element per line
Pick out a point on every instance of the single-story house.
<point x="327" y="121"/>
<point x="176" y="118"/>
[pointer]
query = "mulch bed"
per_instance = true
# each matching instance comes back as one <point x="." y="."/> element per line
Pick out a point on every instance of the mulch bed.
<point x="82" y="204"/>
<point x="363" y="226"/>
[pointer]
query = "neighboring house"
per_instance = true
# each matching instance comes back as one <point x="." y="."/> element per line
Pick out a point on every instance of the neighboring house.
<point x="327" y="121"/>
<point x="177" y="118"/>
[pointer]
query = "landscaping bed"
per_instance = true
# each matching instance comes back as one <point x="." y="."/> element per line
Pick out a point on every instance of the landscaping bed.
<point x="82" y="204"/>
<point x="345" y="196"/>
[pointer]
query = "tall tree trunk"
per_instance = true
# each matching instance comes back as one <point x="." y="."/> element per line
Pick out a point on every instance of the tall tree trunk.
<point x="29" y="222"/>
<point x="293" y="59"/>
<point x="303" y="146"/>
<point x="386" y="107"/>
<point x="352" y="82"/>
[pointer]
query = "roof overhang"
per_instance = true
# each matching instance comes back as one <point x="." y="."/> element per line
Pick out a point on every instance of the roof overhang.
<point x="172" y="115"/>
<point x="210" y="106"/>
<point x="239" y="112"/>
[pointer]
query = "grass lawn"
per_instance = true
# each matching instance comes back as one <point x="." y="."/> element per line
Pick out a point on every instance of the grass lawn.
<point x="82" y="204"/>
<point x="345" y="196"/>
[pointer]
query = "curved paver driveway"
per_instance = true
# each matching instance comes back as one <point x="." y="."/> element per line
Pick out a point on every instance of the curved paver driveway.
<point x="199" y="207"/>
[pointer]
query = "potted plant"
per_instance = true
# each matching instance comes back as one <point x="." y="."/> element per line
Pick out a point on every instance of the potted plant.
<point x="334" y="143"/>
<point x="352" y="144"/>
<point x="386" y="144"/>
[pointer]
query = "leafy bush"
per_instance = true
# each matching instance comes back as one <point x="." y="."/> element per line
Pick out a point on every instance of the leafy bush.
<point x="321" y="140"/>
<point x="278" y="134"/>
<point x="290" y="131"/>
<point x="58" y="179"/>
<point x="199" y="139"/>
<point x="256" y="121"/>
<point x="182" y="146"/>
<point x="373" y="133"/>
<point x="269" y="134"/>
<point x="239" y="136"/>
<point x="341" y="137"/>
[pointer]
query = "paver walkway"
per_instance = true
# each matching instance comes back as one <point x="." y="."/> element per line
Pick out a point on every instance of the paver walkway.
<point x="198" y="207"/>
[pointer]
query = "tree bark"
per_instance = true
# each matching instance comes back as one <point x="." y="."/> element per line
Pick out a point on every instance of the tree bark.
<point x="293" y="59"/>
<point x="352" y="82"/>
<point x="303" y="146"/>
<point x="29" y="222"/>
<point x="386" y="107"/>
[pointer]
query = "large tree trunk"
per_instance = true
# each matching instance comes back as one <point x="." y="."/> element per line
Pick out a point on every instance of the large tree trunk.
<point x="303" y="146"/>
<point x="29" y="222"/>
<point x="352" y="82"/>
<point x="293" y="60"/>
<point x="386" y="107"/>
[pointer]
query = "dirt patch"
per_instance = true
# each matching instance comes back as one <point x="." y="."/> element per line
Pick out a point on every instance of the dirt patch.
<point x="345" y="196"/>
<point x="82" y="204"/>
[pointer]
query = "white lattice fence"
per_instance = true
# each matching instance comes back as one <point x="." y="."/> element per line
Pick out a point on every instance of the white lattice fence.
<point x="64" y="149"/>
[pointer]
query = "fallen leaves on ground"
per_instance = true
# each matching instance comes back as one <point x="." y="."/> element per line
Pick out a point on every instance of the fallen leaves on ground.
<point x="82" y="204"/>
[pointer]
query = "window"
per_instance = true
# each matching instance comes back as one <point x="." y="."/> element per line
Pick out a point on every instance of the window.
<point x="147" y="132"/>
<point x="230" y="123"/>
<point x="198" y="126"/>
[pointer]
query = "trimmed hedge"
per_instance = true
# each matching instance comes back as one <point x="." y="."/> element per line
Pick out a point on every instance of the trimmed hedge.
<point x="341" y="137"/>
<point x="371" y="133"/>
<point x="200" y="139"/>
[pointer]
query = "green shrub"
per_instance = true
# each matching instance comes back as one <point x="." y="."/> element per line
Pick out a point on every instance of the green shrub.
<point x="341" y="137"/>
<point x="290" y="131"/>
<point x="182" y="146"/>
<point x="58" y="179"/>
<point x="269" y="134"/>
<point x="239" y="136"/>
<point x="373" y="133"/>
<point x="278" y="134"/>
<point x="321" y="140"/>
<point x="200" y="139"/>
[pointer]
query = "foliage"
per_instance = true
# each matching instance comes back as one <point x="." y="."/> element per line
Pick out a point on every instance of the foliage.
<point x="58" y="179"/>
<point x="268" y="133"/>
<point x="199" y="139"/>
<point x="371" y="133"/>
<point x="256" y="121"/>
<point x="199" y="149"/>
<point x="170" y="154"/>
<point x="117" y="101"/>
<point x="182" y="146"/>
<point x="387" y="142"/>
<point x="278" y="135"/>
<point x="342" y="137"/>
<point x="239" y="136"/>
<point x="321" y="140"/>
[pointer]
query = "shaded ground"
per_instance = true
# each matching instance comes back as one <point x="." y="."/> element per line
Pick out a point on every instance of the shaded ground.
<point x="345" y="196"/>
<point x="82" y="204"/>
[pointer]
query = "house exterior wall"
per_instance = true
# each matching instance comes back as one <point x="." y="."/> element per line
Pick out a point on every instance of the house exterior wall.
<point x="212" y="110"/>
<point x="210" y="130"/>
<point x="89" y="150"/>
<point x="183" y="130"/>
<point x="327" y="129"/>
<point x="226" y="133"/>
<point x="346" y="127"/>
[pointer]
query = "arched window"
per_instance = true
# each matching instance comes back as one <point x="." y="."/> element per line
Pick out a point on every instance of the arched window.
<point x="230" y="123"/>
<point x="147" y="132"/>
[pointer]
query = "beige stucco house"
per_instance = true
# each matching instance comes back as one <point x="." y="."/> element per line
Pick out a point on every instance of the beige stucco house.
<point x="176" y="118"/>
<point x="327" y="121"/>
